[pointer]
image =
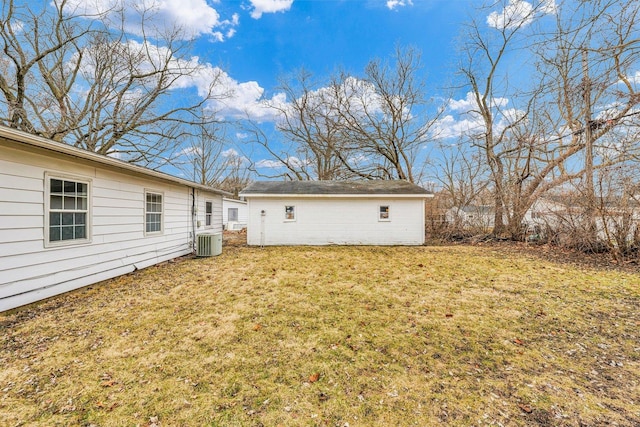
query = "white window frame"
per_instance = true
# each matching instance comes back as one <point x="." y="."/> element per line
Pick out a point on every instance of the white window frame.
<point x="162" y="213"/>
<point x="293" y="212"/>
<point x="381" y="213"/>
<point x="208" y="216"/>
<point x="237" y="211"/>
<point x="48" y="209"/>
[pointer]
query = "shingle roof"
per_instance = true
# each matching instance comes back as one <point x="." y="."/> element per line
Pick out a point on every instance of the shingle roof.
<point x="370" y="187"/>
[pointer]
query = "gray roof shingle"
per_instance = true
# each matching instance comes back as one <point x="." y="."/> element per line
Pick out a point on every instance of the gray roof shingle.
<point x="369" y="187"/>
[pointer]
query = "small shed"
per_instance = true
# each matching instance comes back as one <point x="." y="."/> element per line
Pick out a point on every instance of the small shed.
<point x="335" y="213"/>
<point x="234" y="214"/>
<point x="70" y="218"/>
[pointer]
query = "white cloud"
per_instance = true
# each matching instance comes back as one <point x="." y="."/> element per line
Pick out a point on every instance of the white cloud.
<point x="469" y="103"/>
<point x="394" y="4"/>
<point x="268" y="164"/>
<point x="276" y="164"/>
<point x="520" y="13"/>
<point x="246" y="100"/>
<point x="230" y="152"/>
<point x="269" y="6"/>
<point x="193" y="17"/>
<point x="465" y="118"/>
<point x="634" y="78"/>
<point x="226" y="96"/>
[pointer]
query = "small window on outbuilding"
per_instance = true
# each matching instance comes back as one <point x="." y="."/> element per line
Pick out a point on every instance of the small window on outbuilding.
<point x="384" y="213"/>
<point x="290" y="213"/>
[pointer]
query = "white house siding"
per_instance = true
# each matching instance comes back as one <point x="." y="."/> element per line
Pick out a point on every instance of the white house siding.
<point x="335" y="220"/>
<point x="216" y="221"/>
<point x="29" y="271"/>
<point x="242" y="210"/>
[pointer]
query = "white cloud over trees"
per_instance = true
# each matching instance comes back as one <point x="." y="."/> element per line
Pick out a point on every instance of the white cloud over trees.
<point x="193" y="18"/>
<point x="520" y="13"/>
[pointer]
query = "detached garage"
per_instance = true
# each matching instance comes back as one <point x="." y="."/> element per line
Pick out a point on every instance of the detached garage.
<point x="335" y="213"/>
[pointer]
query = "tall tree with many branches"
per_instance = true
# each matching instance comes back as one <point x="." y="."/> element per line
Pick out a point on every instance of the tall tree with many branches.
<point x="86" y="81"/>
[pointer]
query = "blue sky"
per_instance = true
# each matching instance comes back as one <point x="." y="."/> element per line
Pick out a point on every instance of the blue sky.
<point x="249" y="44"/>
<point x="322" y="35"/>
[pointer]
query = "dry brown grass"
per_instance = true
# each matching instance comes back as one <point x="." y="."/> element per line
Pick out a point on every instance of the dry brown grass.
<point x="331" y="336"/>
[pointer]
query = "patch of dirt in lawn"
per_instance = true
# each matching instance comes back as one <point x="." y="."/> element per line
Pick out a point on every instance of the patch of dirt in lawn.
<point x="234" y="238"/>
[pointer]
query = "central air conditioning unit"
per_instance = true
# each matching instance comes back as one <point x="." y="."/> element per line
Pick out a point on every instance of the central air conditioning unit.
<point x="209" y="245"/>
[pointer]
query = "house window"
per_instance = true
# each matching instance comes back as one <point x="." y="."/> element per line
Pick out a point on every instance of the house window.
<point x="68" y="211"/>
<point x="232" y="214"/>
<point x="208" y="213"/>
<point x="384" y="213"/>
<point x="290" y="213"/>
<point x="153" y="213"/>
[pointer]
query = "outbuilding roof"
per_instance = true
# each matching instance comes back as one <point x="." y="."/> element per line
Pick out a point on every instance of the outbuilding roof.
<point x="10" y="135"/>
<point x="335" y="188"/>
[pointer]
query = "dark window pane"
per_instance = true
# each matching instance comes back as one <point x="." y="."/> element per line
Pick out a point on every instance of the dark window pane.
<point x="81" y="203"/>
<point x="80" y="219"/>
<point x="209" y="207"/>
<point x="69" y="203"/>
<point x="56" y="186"/>
<point x="54" y="234"/>
<point x="67" y="219"/>
<point x="55" y="218"/>
<point x="81" y="232"/>
<point x="67" y="232"/>
<point x="69" y="187"/>
<point x="56" y="202"/>
<point x="81" y="189"/>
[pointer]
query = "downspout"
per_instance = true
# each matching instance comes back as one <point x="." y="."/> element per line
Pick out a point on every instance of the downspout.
<point x="193" y="220"/>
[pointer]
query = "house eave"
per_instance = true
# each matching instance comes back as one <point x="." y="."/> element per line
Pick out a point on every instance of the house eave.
<point x="10" y="134"/>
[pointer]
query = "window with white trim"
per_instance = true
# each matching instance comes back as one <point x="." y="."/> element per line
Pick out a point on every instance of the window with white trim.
<point x="208" y="213"/>
<point x="289" y="213"/>
<point x="384" y="213"/>
<point x="67" y="207"/>
<point x="153" y="213"/>
<point x="232" y="214"/>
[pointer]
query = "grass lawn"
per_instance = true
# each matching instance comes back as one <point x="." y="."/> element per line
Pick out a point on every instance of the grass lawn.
<point x="333" y="336"/>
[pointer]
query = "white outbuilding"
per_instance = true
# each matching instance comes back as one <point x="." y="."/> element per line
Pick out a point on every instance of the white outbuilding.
<point x="70" y="218"/>
<point x="372" y="212"/>
<point x="234" y="214"/>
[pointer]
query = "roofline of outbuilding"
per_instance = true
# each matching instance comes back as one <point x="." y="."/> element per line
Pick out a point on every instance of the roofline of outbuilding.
<point x="62" y="148"/>
<point x="334" y="195"/>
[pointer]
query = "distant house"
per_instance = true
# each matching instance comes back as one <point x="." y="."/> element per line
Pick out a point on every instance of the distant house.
<point x="70" y="218"/>
<point x="335" y="212"/>
<point x="234" y="214"/>
<point x="472" y="217"/>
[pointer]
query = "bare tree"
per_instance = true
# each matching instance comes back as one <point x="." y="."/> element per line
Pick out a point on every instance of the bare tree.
<point x="385" y="121"/>
<point x="371" y="127"/>
<point x="310" y="122"/>
<point x="97" y="87"/>
<point x="589" y="64"/>
<point x="537" y="147"/>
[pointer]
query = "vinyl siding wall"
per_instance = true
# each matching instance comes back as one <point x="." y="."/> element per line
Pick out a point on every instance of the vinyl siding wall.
<point x="29" y="271"/>
<point x="340" y="221"/>
<point x="240" y="205"/>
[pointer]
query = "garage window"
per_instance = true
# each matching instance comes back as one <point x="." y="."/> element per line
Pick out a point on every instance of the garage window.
<point x="289" y="213"/>
<point x="384" y="213"/>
